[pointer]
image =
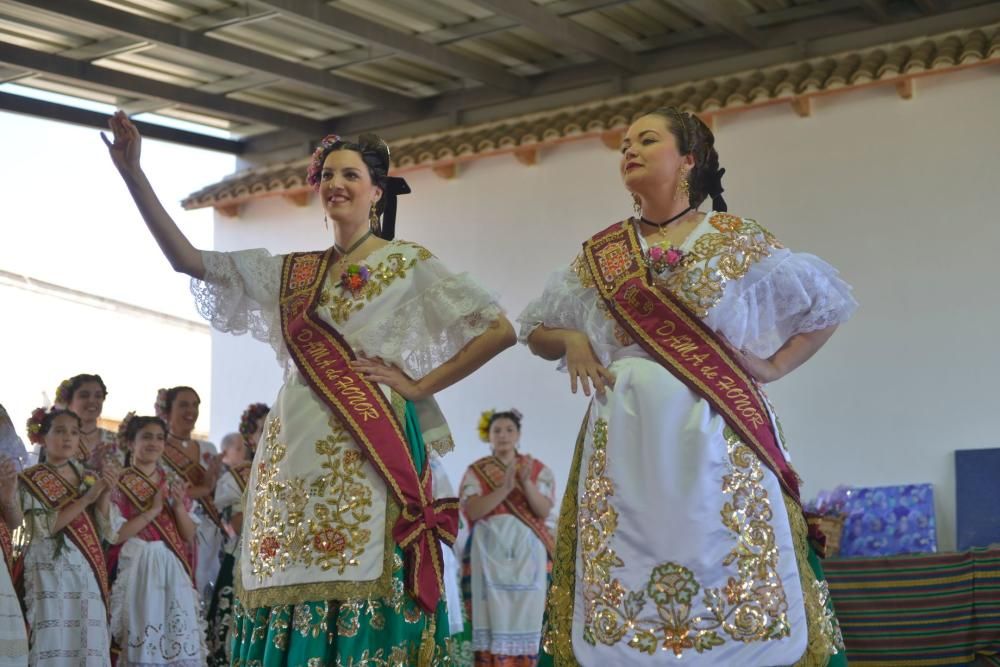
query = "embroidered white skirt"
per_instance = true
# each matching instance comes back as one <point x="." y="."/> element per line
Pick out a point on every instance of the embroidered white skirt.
<point x="684" y="546"/>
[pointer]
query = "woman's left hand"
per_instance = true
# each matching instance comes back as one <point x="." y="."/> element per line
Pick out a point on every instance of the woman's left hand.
<point x="524" y="470"/>
<point x="378" y="371"/>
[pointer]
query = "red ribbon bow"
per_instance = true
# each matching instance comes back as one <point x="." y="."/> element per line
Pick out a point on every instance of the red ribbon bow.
<point x="417" y="533"/>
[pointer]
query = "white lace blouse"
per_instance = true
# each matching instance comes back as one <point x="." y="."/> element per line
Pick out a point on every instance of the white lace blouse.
<point x="414" y="312"/>
<point x="735" y="275"/>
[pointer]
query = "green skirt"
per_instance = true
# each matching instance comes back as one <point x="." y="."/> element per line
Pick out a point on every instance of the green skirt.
<point x="392" y="631"/>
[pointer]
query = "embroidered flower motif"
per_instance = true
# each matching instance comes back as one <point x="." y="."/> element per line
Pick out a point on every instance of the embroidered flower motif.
<point x="354" y="278"/>
<point x="269" y="547"/>
<point x="329" y="541"/>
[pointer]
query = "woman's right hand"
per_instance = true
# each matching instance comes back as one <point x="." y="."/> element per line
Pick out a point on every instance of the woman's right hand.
<point x="510" y="478"/>
<point x="126" y="147"/>
<point x="584" y="367"/>
<point x="157" y="506"/>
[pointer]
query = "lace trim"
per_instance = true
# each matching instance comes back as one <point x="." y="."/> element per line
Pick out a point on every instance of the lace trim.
<point x="222" y="299"/>
<point x="432" y="328"/>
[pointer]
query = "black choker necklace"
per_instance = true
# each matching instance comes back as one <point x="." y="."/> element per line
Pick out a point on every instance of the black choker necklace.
<point x="661" y="225"/>
<point x="354" y="246"/>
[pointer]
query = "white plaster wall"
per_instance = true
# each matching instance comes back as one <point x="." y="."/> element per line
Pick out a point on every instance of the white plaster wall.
<point x="900" y="195"/>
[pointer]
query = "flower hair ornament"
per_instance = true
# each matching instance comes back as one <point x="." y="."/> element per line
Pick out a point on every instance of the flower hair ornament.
<point x="123" y="428"/>
<point x="160" y="407"/>
<point x="484" y="425"/>
<point x="34" y="426"/>
<point x="250" y="416"/>
<point x="375" y="154"/>
<point x="63" y="396"/>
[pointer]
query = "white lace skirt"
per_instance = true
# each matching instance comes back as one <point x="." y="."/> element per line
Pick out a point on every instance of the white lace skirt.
<point x="155" y="616"/>
<point x="684" y="547"/>
<point x="509" y="583"/>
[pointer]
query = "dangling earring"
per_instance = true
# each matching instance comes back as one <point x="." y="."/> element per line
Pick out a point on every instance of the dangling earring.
<point x="373" y="218"/>
<point x="683" y="190"/>
<point x="326" y="222"/>
<point x="636" y="205"/>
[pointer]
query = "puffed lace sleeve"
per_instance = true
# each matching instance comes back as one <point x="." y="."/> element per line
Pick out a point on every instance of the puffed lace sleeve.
<point x="441" y="313"/>
<point x="239" y="294"/>
<point x="784" y="294"/>
<point x="569" y="301"/>
<point x="227" y="493"/>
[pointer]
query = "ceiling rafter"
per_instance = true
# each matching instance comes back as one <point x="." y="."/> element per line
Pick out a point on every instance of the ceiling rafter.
<point x="84" y="71"/>
<point x="367" y="30"/>
<point x="190" y="40"/>
<point x="564" y="31"/>
<point x="719" y="14"/>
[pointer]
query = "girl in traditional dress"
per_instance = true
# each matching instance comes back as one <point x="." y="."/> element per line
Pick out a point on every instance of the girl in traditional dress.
<point x="198" y="463"/>
<point x="340" y="560"/>
<point x="66" y="512"/>
<point x="681" y="534"/>
<point x="13" y="633"/>
<point x="507" y="497"/>
<point x="155" y="617"/>
<point x="84" y="396"/>
<point x="229" y="501"/>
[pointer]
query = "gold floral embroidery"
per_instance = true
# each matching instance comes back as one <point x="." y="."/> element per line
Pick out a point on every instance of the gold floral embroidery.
<point x="334" y="536"/>
<point x="277" y="627"/>
<point x="750" y="607"/>
<point x="341" y="304"/>
<point x="718" y="257"/>
<point x="582" y="271"/>
<point x="823" y="629"/>
<point x="302" y="620"/>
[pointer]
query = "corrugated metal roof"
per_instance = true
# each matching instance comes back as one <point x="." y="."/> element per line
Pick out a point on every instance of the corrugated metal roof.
<point x="273" y="70"/>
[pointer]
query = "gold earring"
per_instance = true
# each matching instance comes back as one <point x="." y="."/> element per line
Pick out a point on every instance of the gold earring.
<point x="683" y="190"/>
<point x="373" y="217"/>
<point x="636" y="205"/>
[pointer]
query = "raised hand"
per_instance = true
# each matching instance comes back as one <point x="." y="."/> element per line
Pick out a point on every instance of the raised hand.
<point x="524" y="470"/>
<point x="126" y="147"/>
<point x="157" y="506"/>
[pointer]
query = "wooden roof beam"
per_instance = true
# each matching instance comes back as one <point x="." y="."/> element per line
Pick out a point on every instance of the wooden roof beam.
<point x="141" y="28"/>
<point x="565" y="31"/>
<point x="360" y="28"/>
<point x="85" y="72"/>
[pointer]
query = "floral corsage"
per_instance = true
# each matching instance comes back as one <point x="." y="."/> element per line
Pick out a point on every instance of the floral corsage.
<point x="354" y="278"/>
<point x="662" y="260"/>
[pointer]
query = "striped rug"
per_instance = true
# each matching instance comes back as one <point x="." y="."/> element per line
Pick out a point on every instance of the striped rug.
<point x="928" y="609"/>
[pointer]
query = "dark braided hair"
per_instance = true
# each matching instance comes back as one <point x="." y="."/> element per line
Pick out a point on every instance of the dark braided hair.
<point x="165" y="400"/>
<point x="129" y="429"/>
<point x="68" y="388"/>
<point x="512" y="415"/>
<point x="694" y="138"/>
<point x="374" y="153"/>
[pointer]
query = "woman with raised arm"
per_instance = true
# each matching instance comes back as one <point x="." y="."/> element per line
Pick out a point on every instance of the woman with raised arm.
<point x="340" y="559"/>
<point x="681" y="534"/>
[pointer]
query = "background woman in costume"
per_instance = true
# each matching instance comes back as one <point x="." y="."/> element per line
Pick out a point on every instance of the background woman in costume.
<point x="84" y="396"/>
<point x="13" y="634"/>
<point x="155" y="617"/>
<point x="506" y="498"/>
<point x="65" y="606"/>
<point x="229" y="502"/>
<point x="199" y="464"/>
<point x="667" y="513"/>
<point x="316" y="582"/>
